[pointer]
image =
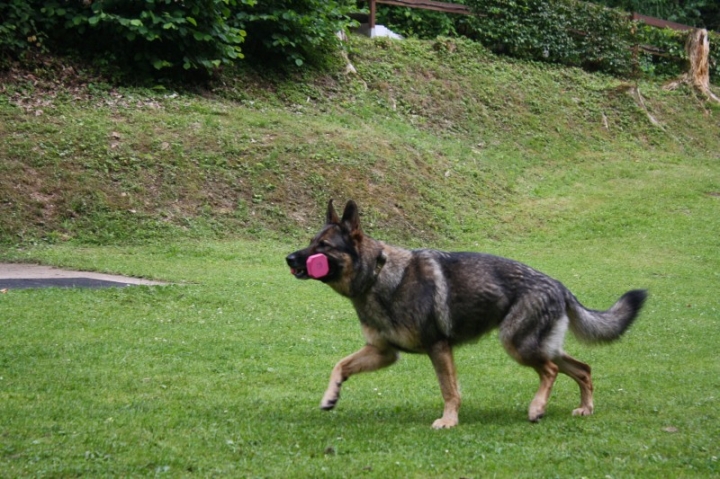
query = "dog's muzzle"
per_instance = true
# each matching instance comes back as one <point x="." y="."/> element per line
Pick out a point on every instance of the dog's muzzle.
<point x="298" y="267"/>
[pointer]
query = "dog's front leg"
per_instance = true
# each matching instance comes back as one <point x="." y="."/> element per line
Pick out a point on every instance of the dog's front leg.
<point x="368" y="358"/>
<point x="442" y="359"/>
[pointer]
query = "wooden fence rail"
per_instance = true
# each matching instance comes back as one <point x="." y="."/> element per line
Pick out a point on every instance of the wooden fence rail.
<point x="429" y="5"/>
<point x="659" y="23"/>
<point x="422" y="4"/>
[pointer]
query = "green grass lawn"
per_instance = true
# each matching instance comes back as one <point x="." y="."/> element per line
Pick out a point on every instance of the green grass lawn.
<point x="221" y="374"/>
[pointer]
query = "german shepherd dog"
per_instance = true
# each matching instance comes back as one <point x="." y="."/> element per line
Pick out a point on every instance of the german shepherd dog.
<point x="427" y="301"/>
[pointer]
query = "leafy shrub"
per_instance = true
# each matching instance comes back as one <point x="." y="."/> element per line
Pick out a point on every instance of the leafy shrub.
<point x="661" y="51"/>
<point x="293" y="31"/>
<point x="563" y="31"/>
<point x="150" y="35"/>
<point x="697" y="13"/>
<point x="417" y="23"/>
<point x="18" y="29"/>
<point x="192" y="34"/>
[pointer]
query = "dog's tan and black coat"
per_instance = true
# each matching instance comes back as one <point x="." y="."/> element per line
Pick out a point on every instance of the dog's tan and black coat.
<point x="427" y="301"/>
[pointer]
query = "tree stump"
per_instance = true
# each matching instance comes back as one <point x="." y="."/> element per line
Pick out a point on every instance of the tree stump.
<point x="698" y="50"/>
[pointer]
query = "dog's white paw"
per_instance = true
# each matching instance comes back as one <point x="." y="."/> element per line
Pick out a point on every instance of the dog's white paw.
<point x="329" y="401"/>
<point x="535" y="413"/>
<point x="583" y="411"/>
<point x="445" y="423"/>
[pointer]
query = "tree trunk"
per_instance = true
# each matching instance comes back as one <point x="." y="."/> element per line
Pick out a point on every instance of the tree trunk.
<point x="698" y="50"/>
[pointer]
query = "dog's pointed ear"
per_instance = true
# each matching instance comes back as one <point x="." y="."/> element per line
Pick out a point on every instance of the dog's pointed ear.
<point x="351" y="217"/>
<point x="331" y="217"/>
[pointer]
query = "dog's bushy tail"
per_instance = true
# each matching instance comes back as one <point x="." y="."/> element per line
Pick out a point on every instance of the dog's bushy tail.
<point x="591" y="326"/>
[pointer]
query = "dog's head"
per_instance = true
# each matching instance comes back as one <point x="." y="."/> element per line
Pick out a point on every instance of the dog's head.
<point x="340" y="240"/>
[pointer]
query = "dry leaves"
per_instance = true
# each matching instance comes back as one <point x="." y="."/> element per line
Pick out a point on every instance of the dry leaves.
<point x="36" y="95"/>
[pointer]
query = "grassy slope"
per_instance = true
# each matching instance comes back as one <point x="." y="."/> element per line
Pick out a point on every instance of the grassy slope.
<point x="422" y="126"/>
<point x="443" y="145"/>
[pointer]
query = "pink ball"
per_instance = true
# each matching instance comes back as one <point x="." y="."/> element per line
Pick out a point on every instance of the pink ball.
<point x="317" y="266"/>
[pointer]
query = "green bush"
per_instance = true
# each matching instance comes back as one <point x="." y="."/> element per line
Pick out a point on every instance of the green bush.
<point x="294" y="31"/>
<point x="416" y="23"/>
<point x="563" y="31"/>
<point x="192" y="34"/>
<point x="159" y="34"/>
<point x="143" y="36"/>
<point x="696" y="13"/>
<point x="18" y="29"/>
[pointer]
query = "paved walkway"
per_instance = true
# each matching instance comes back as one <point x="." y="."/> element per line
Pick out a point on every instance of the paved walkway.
<point x="22" y="276"/>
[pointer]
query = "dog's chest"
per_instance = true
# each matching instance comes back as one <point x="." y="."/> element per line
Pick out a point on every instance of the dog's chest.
<point x="384" y="324"/>
<point x="376" y="313"/>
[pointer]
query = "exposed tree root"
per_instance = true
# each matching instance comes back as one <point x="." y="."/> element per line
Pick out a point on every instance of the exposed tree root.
<point x="635" y="93"/>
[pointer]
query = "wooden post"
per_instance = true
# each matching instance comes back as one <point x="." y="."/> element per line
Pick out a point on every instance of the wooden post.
<point x="371" y="21"/>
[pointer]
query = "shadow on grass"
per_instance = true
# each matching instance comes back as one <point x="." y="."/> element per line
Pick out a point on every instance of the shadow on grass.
<point x="364" y="415"/>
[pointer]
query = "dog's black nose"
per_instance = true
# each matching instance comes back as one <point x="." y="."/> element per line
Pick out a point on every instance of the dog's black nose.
<point x="291" y="259"/>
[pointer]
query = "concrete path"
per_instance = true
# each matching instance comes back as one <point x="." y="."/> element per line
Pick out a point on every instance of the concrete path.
<point x="22" y="276"/>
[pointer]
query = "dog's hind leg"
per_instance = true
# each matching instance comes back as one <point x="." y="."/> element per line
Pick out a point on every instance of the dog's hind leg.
<point x="548" y="371"/>
<point x="532" y="333"/>
<point x="580" y="372"/>
<point x="368" y="358"/>
<point x="442" y="360"/>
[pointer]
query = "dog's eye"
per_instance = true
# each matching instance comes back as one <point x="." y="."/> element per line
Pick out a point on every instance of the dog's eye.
<point x="324" y="244"/>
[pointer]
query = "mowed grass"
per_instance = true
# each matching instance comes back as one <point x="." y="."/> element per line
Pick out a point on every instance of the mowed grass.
<point x="221" y="373"/>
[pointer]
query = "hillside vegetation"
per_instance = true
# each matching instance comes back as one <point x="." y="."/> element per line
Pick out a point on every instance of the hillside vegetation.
<point x="434" y="139"/>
